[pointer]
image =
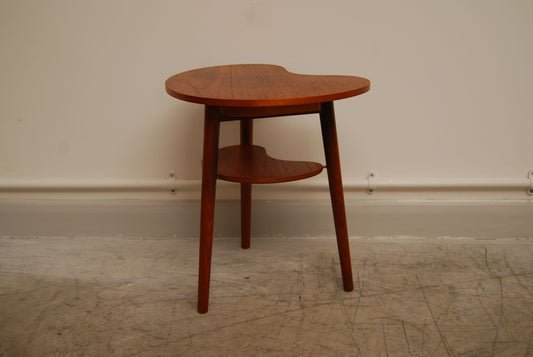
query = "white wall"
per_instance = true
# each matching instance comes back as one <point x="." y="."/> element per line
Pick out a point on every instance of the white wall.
<point x="82" y="96"/>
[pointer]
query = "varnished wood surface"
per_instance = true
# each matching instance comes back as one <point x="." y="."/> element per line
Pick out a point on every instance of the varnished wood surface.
<point x="244" y="92"/>
<point x="251" y="164"/>
<point x="235" y="113"/>
<point x="260" y="85"/>
<point x="333" y="162"/>
<point x="247" y="133"/>
<point x="207" y="214"/>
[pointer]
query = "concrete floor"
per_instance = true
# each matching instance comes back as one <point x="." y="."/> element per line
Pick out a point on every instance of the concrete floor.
<point x="137" y="297"/>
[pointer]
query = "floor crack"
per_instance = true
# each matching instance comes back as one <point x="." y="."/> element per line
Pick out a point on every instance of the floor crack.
<point x="442" y="337"/>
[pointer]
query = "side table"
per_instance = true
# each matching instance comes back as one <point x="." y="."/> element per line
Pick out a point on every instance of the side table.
<point x="252" y="91"/>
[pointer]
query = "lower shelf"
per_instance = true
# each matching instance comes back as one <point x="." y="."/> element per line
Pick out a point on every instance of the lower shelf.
<point x="251" y="164"/>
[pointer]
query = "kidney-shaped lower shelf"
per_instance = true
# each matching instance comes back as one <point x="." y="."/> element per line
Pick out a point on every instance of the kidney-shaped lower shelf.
<point x="251" y="164"/>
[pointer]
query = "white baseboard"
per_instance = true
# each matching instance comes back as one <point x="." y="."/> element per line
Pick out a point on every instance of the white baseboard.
<point x="296" y="218"/>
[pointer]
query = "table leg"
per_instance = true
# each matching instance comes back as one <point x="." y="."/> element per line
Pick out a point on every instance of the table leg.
<point x="246" y="188"/>
<point x="246" y="214"/>
<point x="331" y="149"/>
<point x="207" y="215"/>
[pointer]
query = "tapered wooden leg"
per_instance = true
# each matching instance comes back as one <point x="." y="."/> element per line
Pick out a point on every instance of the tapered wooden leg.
<point x="246" y="188"/>
<point x="207" y="215"/>
<point x="246" y="214"/>
<point x="331" y="149"/>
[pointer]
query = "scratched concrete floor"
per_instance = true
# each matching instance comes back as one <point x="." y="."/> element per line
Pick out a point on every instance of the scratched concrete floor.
<point x="136" y="297"/>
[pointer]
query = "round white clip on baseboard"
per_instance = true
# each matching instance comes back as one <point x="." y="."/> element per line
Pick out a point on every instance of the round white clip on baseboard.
<point x="371" y="183"/>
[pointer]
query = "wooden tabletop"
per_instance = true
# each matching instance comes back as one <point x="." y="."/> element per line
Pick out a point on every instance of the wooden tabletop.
<point x="260" y="85"/>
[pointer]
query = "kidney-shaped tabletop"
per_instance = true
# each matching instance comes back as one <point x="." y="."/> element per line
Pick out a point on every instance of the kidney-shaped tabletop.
<point x="260" y="85"/>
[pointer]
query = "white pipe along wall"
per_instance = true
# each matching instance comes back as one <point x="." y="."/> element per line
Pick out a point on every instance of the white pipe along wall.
<point x="169" y="185"/>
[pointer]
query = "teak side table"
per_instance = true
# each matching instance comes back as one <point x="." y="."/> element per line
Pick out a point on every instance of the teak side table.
<point x="251" y="91"/>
